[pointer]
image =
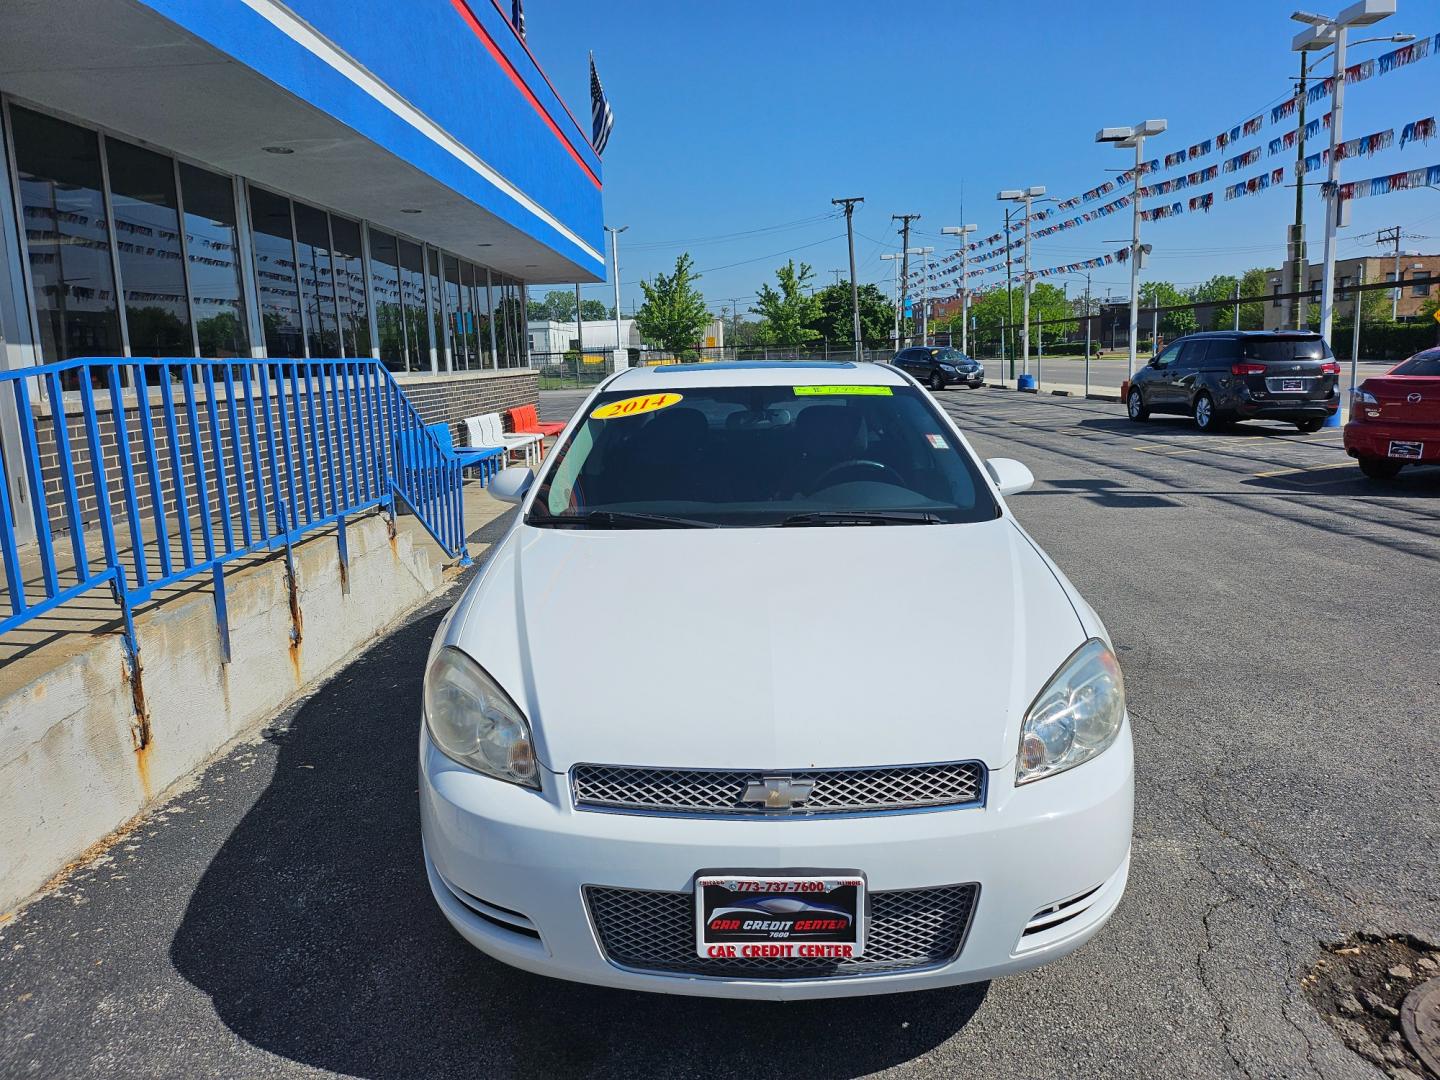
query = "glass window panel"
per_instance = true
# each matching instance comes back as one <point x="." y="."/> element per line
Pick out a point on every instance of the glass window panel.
<point x="468" y="274"/>
<point x="455" y="315"/>
<point x="483" y="317"/>
<point x="210" y="233"/>
<point x="68" y="245"/>
<point x="437" y="306"/>
<point x="412" y="288"/>
<point x="275" y="274"/>
<point x="350" y="287"/>
<point x="147" y="242"/>
<point x="385" y="287"/>
<point x="317" y="282"/>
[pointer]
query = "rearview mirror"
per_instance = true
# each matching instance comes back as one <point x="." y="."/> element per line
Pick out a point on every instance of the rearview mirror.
<point x="510" y="485"/>
<point x="1010" y="476"/>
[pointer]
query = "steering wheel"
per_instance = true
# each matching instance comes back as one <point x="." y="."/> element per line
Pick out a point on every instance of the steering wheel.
<point x="854" y="463"/>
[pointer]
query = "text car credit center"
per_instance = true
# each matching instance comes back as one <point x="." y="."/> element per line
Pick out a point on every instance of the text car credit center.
<point x="672" y="742"/>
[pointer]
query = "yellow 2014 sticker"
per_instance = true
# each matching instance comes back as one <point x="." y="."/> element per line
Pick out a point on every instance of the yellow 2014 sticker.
<point x="820" y="391"/>
<point x="634" y="406"/>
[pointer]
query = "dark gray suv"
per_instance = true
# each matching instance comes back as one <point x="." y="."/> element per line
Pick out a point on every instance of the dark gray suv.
<point x="1233" y="375"/>
<point x="938" y="367"/>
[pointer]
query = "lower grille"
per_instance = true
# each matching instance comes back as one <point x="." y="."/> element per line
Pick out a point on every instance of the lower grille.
<point x="909" y="929"/>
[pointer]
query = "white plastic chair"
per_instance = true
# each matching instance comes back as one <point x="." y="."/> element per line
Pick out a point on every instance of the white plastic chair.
<point x="486" y="430"/>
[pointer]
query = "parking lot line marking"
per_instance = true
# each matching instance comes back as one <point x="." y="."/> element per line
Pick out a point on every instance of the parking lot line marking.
<point x="1346" y="464"/>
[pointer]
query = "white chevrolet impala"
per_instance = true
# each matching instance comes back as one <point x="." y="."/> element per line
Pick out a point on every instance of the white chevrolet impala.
<point x="767" y="694"/>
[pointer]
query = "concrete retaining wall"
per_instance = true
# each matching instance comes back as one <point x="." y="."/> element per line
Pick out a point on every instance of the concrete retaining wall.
<point x="69" y="772"/>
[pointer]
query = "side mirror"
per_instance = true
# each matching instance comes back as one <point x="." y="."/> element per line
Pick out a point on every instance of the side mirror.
<point x="1010" y="476"/>
<point x="510" y="485"/>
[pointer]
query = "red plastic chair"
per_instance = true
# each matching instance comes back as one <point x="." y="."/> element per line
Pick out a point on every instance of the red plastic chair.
<point x="523" y="418"/>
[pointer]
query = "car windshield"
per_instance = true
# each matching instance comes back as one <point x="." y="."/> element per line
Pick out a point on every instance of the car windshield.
<point x="746" y="456"/>
<point x="949" y="356"/>
<point x="1425" y="363"/>
<point x="1280" y="350"/>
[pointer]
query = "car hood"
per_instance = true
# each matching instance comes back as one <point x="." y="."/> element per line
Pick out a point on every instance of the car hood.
<point x="770" y="648"/>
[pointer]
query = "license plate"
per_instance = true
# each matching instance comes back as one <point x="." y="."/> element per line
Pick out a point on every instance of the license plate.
<point x="1292" y="385"/>
<point x="744" y="917"/>
<point x="1411" y="451"/>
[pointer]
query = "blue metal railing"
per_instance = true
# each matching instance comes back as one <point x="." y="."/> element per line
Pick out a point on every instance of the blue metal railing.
<point x="183" y="465"/>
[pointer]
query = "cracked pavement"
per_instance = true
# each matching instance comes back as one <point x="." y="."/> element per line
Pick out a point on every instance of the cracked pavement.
<point x="1278" y="635"/>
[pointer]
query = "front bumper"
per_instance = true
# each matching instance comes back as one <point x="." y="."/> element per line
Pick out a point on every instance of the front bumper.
<point x="526" y="857"/>
<point x="1373" y="440"/>
<point x="969" y="378"/>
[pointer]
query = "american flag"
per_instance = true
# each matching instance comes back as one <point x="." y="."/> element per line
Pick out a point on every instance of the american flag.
<point x="601" y="118"/>
<point x="517" y="17"/>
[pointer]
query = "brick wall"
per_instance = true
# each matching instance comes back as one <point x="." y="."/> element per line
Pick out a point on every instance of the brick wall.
<point x="447" y="398"/>
<point x="451" y="398"/>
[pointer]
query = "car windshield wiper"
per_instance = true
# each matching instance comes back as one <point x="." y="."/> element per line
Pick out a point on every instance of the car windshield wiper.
<point x="863" y="517"/>
<point x="623" y="519"/>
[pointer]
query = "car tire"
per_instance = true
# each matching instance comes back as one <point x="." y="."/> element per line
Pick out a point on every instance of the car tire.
<point x="1379" y="468"/>
<point x="1135" y="405"/>
<point x="1207" y="418"/>
<point x="937" y="382"/>
<point x="1309" y="427"/>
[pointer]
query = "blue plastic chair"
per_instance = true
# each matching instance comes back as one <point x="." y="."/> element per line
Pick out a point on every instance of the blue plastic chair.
<point x="488" y="460"/>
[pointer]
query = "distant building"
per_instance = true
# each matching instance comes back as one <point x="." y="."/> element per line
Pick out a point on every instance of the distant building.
<point x="1347" y="272"/>
<point x="547" y="337"/>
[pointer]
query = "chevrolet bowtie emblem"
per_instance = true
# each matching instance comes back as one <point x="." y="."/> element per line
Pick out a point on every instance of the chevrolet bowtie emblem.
<point x="778" y="792"/>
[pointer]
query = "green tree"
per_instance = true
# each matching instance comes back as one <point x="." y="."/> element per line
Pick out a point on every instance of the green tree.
<point x="787" y="313"/>
<point x="1252" y="314"/>
<point x="1163" y="294"/>
<point x="834" y="321"/>
<point x="673" y="315"/>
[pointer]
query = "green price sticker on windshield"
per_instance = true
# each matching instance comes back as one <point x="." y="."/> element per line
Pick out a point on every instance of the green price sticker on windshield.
<point x="821" y="391"/>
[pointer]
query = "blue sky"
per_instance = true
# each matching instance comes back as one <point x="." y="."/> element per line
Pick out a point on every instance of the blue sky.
<point x="746" y="116"/>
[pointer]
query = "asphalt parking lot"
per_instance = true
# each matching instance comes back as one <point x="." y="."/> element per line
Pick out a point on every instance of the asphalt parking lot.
<point x="1276" y="616"/>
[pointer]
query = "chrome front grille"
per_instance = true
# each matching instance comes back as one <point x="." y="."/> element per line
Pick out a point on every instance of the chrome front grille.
<point x="908" y="930"/>
<point x="834" y="791"/>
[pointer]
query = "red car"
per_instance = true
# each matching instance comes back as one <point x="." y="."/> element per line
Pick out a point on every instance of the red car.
<point x="1395" y="418"/>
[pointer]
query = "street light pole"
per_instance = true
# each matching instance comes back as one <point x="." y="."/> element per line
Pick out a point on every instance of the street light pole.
<point x="1024" y="195"/>
<point x="962" y="231"/>
<point x="1323" y="32"/>
<point x="849" y="205"/>
<point x="1135" y="136"/>
<point x="1009" y="304"/>
<point x="615" y="255"/>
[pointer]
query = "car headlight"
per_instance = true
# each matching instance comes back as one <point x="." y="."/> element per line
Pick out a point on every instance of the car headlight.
<point x="1075" y="717"/>
<point x="472" y="721"/>
<point x="948" y="367"/>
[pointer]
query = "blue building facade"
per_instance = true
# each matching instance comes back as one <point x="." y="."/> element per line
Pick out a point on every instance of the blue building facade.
<point x="316" y="178"/>
<point x="250" y="178"/>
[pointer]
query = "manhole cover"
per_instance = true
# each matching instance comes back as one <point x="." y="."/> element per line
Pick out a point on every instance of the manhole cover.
<point x="1420" y="1021"/>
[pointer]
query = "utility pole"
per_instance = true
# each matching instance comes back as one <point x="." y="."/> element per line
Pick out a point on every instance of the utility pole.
<point x="849" y="205"/>
<point x="1297" y="230"/>
<point x="1087" y="333"/>
<point x="905" y="220"/>
<point x="1237" y="305"/>
<point x="1386" y="236"/>
<point x="615" y="255"/>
